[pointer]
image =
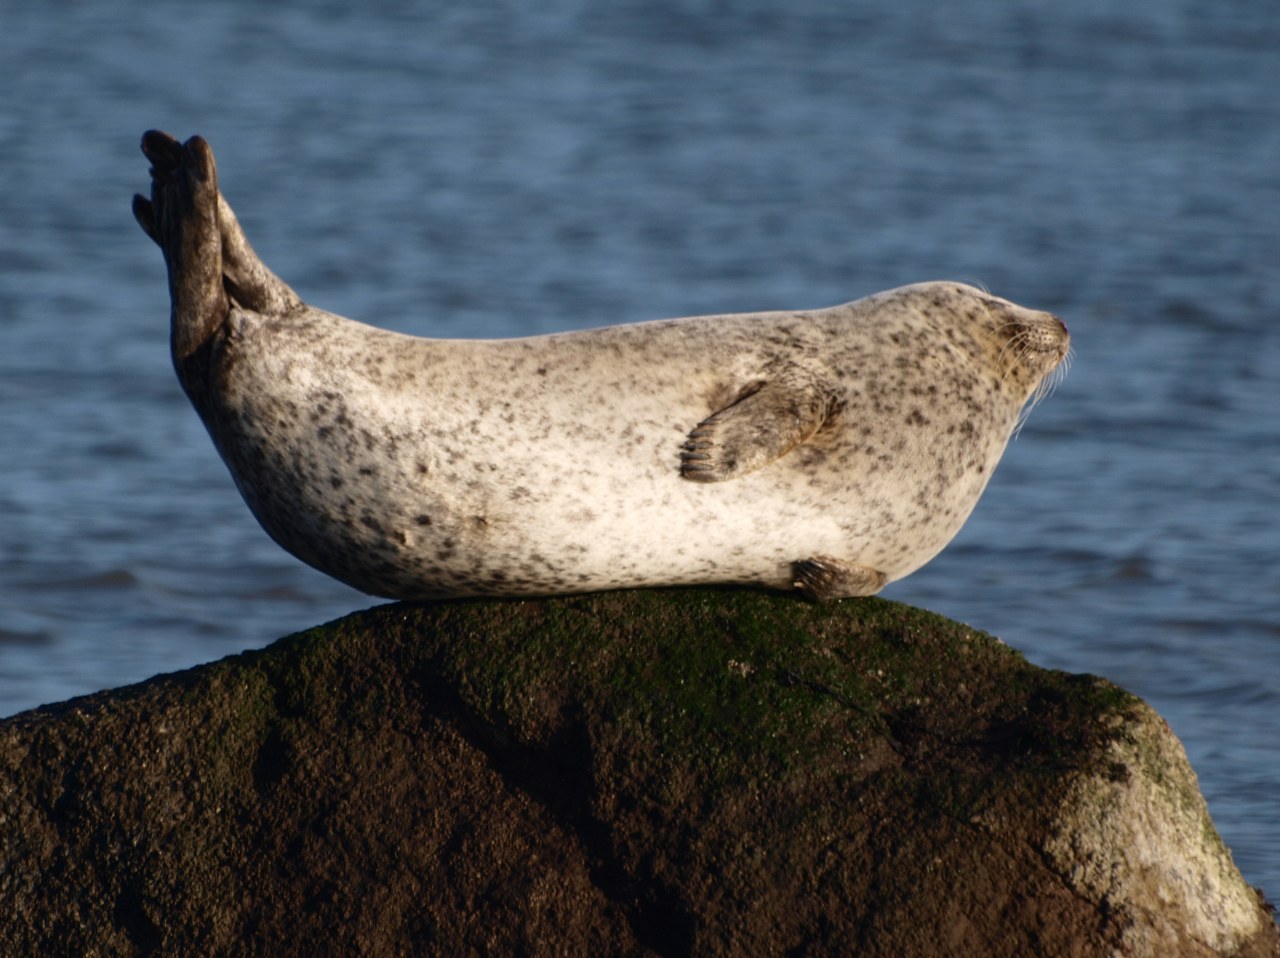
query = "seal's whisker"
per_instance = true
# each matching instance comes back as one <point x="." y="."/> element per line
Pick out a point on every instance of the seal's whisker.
<point x="1009" y="346"/>
<point x="1015" y="351"/>
<point x="1044" y="389"/>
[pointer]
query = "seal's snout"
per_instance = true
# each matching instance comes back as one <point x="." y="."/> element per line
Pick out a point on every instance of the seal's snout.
<point x="1041" y="332"/>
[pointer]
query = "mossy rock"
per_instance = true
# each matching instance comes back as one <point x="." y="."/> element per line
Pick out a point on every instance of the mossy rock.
<point x="668" y="772"/>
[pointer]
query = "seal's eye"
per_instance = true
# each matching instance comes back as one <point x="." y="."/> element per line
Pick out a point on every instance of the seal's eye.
<point x="1026" y="330"/>
<point x="1004" y="316"/>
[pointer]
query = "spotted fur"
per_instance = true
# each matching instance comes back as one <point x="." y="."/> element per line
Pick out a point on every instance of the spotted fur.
<point x="831" y="450"/>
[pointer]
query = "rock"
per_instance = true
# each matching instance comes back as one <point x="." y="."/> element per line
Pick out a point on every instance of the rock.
<point x="676" y="772"/>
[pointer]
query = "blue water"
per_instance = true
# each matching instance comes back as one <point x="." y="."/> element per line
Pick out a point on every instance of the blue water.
<point x="502" y="168"/>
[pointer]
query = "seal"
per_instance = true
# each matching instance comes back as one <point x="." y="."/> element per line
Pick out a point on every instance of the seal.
<point x="830" y="450"/>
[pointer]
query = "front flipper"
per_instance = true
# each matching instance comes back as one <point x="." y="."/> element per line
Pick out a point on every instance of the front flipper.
<point x="765" y="422"/>
<point x="823" y="578"/>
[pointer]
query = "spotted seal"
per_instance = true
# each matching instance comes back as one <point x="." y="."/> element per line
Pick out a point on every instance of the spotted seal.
<point x="830" y="450"/>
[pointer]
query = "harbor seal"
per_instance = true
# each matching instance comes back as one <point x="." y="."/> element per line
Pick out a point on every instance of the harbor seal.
<point x="829" y="450"/>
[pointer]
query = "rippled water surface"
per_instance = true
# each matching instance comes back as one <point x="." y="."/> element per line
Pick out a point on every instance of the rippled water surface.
<point x="499" y="169"/>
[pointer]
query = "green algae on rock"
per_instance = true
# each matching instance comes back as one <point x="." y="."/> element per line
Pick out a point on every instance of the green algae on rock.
<point x="692" y="772"/>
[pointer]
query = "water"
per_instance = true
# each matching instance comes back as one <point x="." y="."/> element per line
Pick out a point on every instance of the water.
<point x="499" y="169"/>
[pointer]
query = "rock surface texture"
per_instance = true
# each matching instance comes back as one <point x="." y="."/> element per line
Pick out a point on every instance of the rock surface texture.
<point x="679" y="772"/>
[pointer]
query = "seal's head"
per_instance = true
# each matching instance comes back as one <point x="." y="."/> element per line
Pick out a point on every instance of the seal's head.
<point x="1034" y="346"/>
<point x="1028" y="350"/>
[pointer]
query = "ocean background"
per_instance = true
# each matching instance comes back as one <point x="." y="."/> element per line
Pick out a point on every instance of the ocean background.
<point x="501" y="168"/>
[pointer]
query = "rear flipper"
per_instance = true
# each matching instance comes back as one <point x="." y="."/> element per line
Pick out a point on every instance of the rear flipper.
<point x="182" y="218"/>
<point x="823" y="578"/>
<point x="245" y="278"/>
<point x="248" y="280"/>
